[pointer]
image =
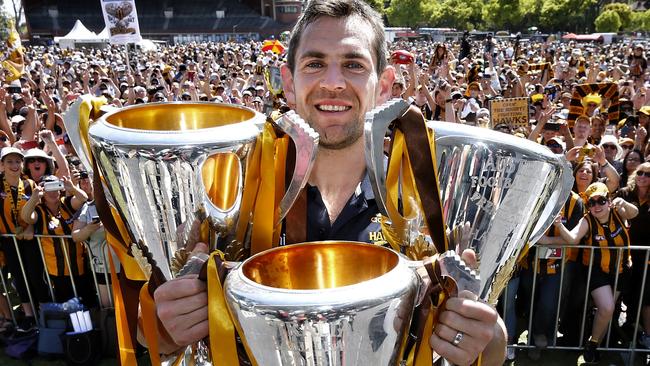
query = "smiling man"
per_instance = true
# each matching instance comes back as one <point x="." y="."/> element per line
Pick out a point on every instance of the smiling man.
<point x="337" y="71"/>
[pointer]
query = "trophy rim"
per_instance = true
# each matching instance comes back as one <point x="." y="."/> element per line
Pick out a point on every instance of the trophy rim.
<point x="257" y="118"/>
<point x="248" y="281"/>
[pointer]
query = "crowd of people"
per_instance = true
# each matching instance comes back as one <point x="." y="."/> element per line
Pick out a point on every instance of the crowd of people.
<point x="602" y="132"/>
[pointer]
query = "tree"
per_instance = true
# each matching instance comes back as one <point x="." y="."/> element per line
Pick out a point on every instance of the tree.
<point x="608" y="21"/>
<point x="624" y="13"/>
<point x="376" y="4"/>
<point x="405" y="13"/>
<point x="460" y="14"/>
<point x="502" y="14"/>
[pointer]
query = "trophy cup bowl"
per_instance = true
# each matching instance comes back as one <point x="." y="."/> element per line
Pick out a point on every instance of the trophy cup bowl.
<point x="171" y="166"/>
<point x="498" y="192"/>
<point x="324" y="303"/>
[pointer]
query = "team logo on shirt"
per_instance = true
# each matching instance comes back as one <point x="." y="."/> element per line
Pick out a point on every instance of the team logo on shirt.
<point x="615" y="233"/>
<point x="376" y="238"/>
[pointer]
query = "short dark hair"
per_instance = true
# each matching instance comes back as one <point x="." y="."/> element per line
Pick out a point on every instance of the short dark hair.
<point x="340" y="9"/>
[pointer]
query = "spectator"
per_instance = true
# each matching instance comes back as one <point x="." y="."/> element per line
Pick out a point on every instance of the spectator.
<point x="637" y="192"/>
<point x="602" y="227"/>
<point x="52" y="214"/>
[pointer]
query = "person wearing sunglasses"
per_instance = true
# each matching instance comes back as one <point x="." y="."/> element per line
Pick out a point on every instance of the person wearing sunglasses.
<point x="637" y="192"/>
<point x="613" y="152"/>
<point x="604" y="227"/>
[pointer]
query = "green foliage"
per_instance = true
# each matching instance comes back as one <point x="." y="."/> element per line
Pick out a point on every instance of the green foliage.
<point x="405" y="13"/>
<point x="608" y="21"/>
<point x="459" y="14"/>
<point x="639" y="21"/>
<point x="502" y="14"/>
<point x="624" y="13"/>
<point x="376" y="4"/>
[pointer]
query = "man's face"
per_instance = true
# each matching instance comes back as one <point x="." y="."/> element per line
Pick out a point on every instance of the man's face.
<point x="335" y="80"/>
<point x="597" y="127"/>
<point x="582" y="128"/>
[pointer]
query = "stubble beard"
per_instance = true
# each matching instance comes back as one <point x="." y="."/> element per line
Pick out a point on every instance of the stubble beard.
<point x="353" y="132"/>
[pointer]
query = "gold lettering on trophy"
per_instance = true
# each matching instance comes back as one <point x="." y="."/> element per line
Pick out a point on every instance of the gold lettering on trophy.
<point x="375" y="236"/>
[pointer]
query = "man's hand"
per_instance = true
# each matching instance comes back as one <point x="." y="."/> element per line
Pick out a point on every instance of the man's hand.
<point x="182" y="307"/>
<point x="474" y="320"/>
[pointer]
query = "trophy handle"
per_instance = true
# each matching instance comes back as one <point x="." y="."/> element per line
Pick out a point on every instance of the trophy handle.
<point x="306" y="141"/>
<point x="77" y="133"/>
<point x="555" y="202"/>
<point x="375" y="127"/>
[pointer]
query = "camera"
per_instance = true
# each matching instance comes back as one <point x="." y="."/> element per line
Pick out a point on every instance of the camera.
<point x="95" y="219"/>
<point x="14" y="89"/>
<point x="56" y="185"/>
<point x="587" y="151"/>
<point x="83" y="174"/>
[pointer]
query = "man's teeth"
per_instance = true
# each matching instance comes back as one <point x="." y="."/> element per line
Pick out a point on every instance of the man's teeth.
<point x="333" y="108"/>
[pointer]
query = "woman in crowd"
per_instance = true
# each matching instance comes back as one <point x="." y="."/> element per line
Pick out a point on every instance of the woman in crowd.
<point x="14" y="195"/>
<point x="39" y="164"/>
<point x="637" y="193"/>
<point x="603" y="227"/>
<point x="630" y="162"/>
<point x="51" y="214"/>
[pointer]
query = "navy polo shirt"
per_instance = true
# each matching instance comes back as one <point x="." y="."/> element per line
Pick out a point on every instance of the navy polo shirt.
<point x="358" y="221"/>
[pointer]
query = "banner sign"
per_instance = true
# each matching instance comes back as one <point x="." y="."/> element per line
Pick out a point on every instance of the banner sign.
<point x="121" y="19"/>
<point x="511" y="111"/>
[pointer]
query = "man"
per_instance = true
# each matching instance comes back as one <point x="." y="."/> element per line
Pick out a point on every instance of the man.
<point x="332" y="80"/>
<point x="581" y="130"/>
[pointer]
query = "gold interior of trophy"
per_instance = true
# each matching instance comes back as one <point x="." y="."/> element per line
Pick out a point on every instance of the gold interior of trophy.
<point x="221" y="179"/>
<point x="316" y="266"/>
<point x="178" y="117"/>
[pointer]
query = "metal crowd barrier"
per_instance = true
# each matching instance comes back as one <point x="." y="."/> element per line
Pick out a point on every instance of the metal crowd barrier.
<point x="605" y="344"/>
<point x="60" y="240"/>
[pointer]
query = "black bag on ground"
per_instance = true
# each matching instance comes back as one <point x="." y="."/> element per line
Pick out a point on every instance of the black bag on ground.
<point x="82" y="349"/>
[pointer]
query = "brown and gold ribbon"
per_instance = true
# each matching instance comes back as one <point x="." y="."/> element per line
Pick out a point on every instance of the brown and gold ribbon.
<point x="223" y="347"/>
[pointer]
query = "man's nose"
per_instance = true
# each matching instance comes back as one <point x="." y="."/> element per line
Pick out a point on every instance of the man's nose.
<point x="333" y="79"/>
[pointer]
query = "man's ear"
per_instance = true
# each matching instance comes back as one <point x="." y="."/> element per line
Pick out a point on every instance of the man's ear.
<point x="287" y="84"/>
<point x="385" y="85"/>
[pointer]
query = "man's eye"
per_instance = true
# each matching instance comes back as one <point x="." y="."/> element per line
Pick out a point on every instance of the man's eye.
<point x="354" y="65"/>
<point x="314" y="65"/>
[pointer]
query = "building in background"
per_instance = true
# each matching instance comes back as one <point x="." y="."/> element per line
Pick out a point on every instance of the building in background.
<point x="172" y="21"/>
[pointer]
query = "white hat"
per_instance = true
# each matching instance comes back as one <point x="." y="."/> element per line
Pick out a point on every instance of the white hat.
<point x="10" y="150"/>
<point x="37" y="153"/>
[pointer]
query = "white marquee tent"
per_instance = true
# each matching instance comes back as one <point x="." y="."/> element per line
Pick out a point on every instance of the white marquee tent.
<point x="79" y="34"/>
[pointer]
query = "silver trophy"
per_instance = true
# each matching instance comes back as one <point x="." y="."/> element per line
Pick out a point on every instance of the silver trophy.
<point x="171" y="166"/>
<point x="331" y="303"/>
<point x="498" y="192"/>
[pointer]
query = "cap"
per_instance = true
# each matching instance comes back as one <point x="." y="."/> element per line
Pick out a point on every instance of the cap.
<point x="556" y="139"/>
<point x="36" y="153"/>
<point x="247" y="92"/>
<point x="597" y="189"/>
<point x="625" y="141"/>
<point x="17" y="118"/>
<point x="10" y="150"/>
